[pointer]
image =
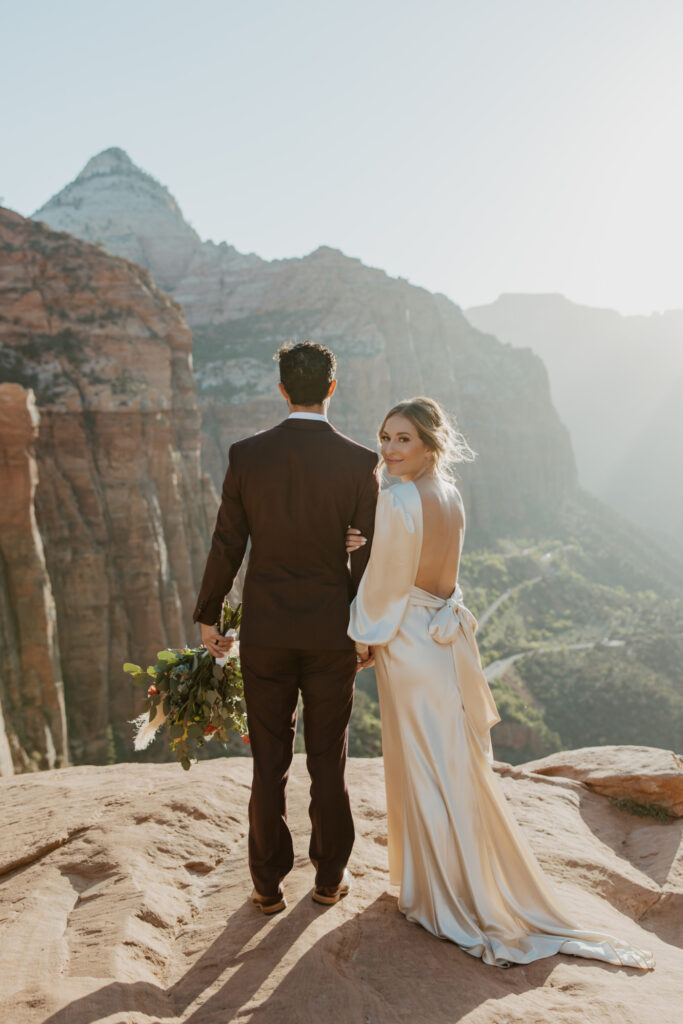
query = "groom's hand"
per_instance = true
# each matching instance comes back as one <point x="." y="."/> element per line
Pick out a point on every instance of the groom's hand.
<point x="354" y="540"/>
<point x="215" y="644"/>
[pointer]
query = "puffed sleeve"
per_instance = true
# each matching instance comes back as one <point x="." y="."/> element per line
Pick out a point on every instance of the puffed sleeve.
<point x="384" y="591"/>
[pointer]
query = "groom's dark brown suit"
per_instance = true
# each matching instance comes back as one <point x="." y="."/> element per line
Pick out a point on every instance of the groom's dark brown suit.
<point x="294" y="489"/>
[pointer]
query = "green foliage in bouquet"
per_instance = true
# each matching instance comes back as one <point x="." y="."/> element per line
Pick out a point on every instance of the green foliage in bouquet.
<point x="197" y="699"/>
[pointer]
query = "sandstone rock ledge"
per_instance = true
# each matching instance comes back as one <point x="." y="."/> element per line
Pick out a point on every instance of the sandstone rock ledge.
<point x="645" y="775"/>
<point x="125" y="900"/>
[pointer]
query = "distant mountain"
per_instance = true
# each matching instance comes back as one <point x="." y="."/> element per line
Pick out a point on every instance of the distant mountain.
<point x="617" y="384"/>
<point x="114" y="203"/>
<point x="392" y="340"/>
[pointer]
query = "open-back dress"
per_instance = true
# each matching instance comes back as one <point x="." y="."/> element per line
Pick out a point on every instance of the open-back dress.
<point x="465" y="870"/>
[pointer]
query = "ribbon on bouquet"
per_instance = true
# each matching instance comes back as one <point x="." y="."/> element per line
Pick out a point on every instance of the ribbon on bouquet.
<point x="455" y="625"/>
<point x="234" y="651"/>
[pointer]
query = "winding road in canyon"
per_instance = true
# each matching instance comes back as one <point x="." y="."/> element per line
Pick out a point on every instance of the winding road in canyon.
<point x="498" y="668"/>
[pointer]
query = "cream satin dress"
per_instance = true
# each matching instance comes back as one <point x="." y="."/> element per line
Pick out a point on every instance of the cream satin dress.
<point x="465" y="870"/>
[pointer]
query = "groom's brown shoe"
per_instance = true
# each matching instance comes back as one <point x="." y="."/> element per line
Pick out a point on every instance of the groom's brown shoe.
<point x="269" y="904"/>
<point x="330" y="894"/>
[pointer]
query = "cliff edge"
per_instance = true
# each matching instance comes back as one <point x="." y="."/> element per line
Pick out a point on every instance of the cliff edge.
<point x="126" y="899"/>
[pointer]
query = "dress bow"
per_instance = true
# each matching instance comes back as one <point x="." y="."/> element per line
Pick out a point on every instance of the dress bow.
<point x="454" y="624"/>
<point x="445" y="624"/>
<point x="450" y="614"/>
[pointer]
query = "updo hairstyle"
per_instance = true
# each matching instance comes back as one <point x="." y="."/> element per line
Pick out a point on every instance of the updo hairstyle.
<point x="436" y="430"/>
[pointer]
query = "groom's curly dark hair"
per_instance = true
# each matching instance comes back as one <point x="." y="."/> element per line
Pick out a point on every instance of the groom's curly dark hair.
<point x="306" y="371"/>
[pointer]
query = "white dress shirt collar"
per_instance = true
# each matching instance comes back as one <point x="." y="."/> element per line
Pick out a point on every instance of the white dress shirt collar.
<point x="307" y="416"/>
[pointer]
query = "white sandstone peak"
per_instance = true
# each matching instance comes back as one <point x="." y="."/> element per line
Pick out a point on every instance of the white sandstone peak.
<point x="115" y="203"/>
<point x="110" y="161"/>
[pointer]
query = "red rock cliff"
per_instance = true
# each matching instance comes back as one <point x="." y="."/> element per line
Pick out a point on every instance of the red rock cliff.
<point x="120" y="499"/>
<point x="32" y="717"/>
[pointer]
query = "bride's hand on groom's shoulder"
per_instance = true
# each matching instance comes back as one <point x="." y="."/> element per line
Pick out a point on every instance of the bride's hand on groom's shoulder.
<point x="354" y="540"/>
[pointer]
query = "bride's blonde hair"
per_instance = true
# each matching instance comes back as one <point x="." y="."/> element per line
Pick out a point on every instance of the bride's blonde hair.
<point x="436" y="430"/>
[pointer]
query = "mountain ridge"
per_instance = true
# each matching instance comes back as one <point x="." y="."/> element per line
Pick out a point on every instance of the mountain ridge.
<point x="391" y="339"/>
<point x="562" y="300"/>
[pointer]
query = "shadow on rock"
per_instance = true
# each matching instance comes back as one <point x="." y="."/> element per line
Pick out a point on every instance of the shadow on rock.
<point x="374" y="967"/>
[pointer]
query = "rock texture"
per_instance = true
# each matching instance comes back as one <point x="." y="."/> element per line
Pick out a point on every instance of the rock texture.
<point x="645" y="775"/>
<point x="125" y="898"/>
<point x="121" y="504"/>
<point x="32" y="715"/>
<point x="392" y="339"/>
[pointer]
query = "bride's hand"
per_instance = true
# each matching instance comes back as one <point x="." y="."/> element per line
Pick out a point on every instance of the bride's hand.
<point x="354" y="540"/>
<point x="366" y="659"/>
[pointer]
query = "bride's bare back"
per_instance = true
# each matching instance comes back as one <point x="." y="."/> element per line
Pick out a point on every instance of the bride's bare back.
<point x="443" y="531"/>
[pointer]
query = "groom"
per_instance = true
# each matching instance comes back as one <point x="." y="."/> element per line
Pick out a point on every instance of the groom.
<point x="294" y="489"/>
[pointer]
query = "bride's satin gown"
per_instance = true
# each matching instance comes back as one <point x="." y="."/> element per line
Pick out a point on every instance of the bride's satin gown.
<point x="465" y="870"/>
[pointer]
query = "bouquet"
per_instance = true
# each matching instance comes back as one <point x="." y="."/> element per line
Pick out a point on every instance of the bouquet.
<point x="196" y="698"/>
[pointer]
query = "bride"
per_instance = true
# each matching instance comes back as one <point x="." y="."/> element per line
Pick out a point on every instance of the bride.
<point x="466" y="872"/>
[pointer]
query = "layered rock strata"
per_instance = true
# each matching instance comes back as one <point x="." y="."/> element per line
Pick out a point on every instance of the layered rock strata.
<point x="32" y="715"/>
<point x="121" y="504"/>
<point x="392" y="340"/>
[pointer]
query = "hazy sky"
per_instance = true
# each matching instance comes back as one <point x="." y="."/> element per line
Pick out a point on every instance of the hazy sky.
<point x="472" y="146"/>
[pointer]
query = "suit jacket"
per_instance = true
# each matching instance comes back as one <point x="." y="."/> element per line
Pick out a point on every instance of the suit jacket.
<point x="293" y="489"/>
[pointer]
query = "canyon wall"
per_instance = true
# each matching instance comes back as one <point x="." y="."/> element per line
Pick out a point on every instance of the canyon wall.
<point x="392" y="340"/>
<point x="32" y="713"/>
<point x="121" y="504"/>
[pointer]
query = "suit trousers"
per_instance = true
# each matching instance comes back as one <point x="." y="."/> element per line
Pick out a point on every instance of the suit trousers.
<point x="273" y="677"/>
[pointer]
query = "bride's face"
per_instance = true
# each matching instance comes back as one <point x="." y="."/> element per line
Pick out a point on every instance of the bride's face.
<point x="404" y="453"/>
